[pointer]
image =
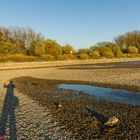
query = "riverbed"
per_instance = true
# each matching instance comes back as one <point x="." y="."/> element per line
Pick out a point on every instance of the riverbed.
<point x="109" y="94"/>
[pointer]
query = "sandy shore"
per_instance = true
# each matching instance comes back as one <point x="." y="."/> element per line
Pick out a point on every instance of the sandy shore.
<point x="104" y="75"/>
<point x="120" y="77"/>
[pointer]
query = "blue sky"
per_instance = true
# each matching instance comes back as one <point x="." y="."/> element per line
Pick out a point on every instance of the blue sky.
<point x="80" y="23"/>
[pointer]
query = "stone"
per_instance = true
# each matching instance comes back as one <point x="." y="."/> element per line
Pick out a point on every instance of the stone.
<point x="112" y="121"/>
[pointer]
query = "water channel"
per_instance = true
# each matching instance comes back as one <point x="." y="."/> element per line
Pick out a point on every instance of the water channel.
<point x="114" y="95"/>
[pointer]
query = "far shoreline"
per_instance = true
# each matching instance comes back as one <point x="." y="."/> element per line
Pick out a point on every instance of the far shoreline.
<point x="43" y="64"/>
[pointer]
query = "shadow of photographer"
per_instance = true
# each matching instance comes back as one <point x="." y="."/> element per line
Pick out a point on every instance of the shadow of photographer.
<point x="8" y="112"/>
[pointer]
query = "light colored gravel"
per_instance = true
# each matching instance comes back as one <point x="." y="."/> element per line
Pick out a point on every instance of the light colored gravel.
<point x="32" y="121"/>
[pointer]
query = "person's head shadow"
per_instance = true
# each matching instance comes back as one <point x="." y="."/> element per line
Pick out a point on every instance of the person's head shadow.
<point x="101" y="118"/>
<point x="8" y="113"/>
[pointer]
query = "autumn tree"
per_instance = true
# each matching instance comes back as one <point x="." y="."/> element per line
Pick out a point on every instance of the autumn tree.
<point x="26" y="35"/>
<point x="39" y="49"/>
<point x="83" y="51"/>
<point x="128" y="39"/>
<point x="68" y="49"/>
<point x="132" y="50"/>
<point x="52" y="48"/>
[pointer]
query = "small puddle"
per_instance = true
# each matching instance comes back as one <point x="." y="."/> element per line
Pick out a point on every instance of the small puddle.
<point x="114" y="95"/>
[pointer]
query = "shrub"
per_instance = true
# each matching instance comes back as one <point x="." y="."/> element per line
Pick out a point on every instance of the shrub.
<point x="32" y="58"/>
<point x="108" y="54"/>
<point x="119" y="53"/>
<point x="66" y="57"/>
<point x="132" y="49"/>
<point x="94" y="54"/>
<point x="18" y="58"/>
<point x="83" y="56"/>
<point x="14" y="57"/>
<point x="47" y="57"/>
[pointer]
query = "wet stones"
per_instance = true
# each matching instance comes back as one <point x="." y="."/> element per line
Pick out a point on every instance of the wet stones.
<point x="107" y="120"/>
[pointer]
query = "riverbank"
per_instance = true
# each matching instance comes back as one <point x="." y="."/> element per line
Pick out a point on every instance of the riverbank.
<point x="25" y="65"/>
<point x="108" y="75"/>
<point x="72" y="113"/>
<point x="111" y="75"/>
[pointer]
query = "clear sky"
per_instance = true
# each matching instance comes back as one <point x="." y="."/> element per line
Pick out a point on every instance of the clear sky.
<point x="80" y="23"/>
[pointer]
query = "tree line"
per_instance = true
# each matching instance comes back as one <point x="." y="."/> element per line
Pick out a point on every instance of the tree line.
<point x="23" y="44"/>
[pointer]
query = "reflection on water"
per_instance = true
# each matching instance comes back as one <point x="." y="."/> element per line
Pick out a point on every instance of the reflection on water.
<point x="115" y="95"/>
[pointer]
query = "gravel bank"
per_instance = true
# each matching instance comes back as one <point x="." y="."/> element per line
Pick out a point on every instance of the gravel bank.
<point x="23" y="65"/>
<point x="30" y="121"/>
<point x="108" y="76"/>
<point x="112" y="76"/>
<point x="73" y="115"/>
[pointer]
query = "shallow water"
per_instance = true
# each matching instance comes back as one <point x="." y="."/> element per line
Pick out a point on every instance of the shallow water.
<point x="130" y="63"/>
<point x="114" y="95"/>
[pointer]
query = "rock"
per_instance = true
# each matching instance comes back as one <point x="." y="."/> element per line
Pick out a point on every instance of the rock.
<point x="112" y="121"/>
<point x="58" y="105"/>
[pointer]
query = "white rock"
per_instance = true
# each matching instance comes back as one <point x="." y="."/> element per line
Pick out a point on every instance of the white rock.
<point x="112" y="121"/>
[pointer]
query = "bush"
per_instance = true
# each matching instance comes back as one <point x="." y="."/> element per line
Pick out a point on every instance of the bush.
<point x="108" y="54"/>
<point x="94" y="54"/>
<point x="32" y="58"/>
<point x="18" y="58"/>
<point x="83" y="56"/>
<point x="132" y="50"/>
<point x="119" y="53"/>
<point x="128" y="55"/>
<point x="47" y="57"/>
<point x="68" y="57"/>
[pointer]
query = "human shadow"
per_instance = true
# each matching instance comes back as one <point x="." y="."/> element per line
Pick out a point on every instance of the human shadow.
<point x="47" y="138"/>
<point x="101" y="118"/>
<point x="8" y="113"/>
